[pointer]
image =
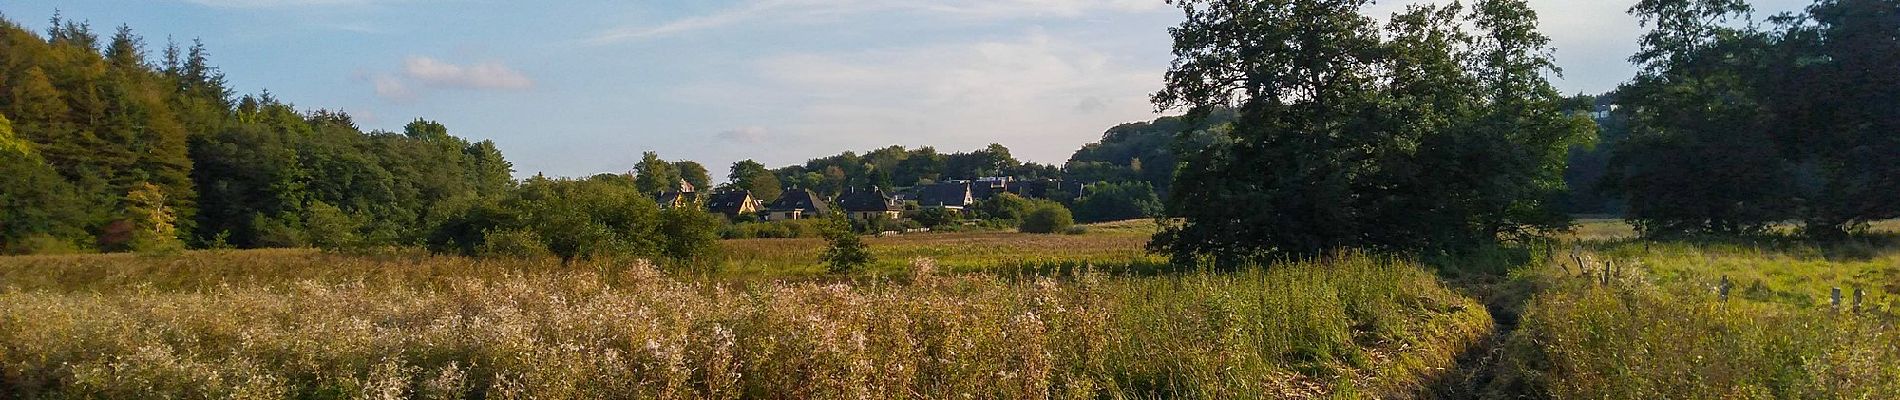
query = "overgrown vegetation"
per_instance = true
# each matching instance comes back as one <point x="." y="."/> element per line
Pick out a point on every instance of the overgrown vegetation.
<point x="286" y="324"/>
<point x="1435" y="132"/>
<point x="1661" y="329"/>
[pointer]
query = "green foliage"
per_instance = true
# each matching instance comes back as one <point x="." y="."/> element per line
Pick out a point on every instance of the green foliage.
<point x="105" y="122"/>
<point x="1006" y="206"/>
<point x="1117" y="201"/>
<point x="845" y="252"/>
<point x="1047" y="218"/>
<point x="933" y="217"/>
<point x="653" y="175"/>
<point x="1699" y="157"/>
<point x="695" y="174"/>
<point x="1436" y="131"/>
<point x="512" y="243"/>
<point x="752" y="176"/>
<point x="152" y="220"/>
<point x="37" y="206"/>
<point x="330" y="228"/>
<point x="1145" y="151"/>
<point x="689" y="236"/>
<point x="1736" y="128"/>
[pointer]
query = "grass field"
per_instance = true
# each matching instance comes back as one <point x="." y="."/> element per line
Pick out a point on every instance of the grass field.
<point x="1110" y="246"/>
<point x="1660" y="329"/>
<point x="987" y="315"/>
<point x="301" y="324"/>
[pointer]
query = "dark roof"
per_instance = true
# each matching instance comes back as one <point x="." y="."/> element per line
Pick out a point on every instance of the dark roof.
<point x="872" y="200"/>
<point x="956" y="194"/>
<point x="1036" y="189"/>
<point x="729" y="202"/>
<point x="800" y="199"/>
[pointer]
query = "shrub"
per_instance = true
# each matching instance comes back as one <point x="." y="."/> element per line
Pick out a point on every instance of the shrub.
<point x="513" y="243"/>
<point x="330" y="228"/>
<point x="933" y="217"/>
<point x="1047" y="218"/>
<point x="846" y="252"/>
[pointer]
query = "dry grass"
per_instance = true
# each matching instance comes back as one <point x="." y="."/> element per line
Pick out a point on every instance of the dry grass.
<point x="1114" y="246"/>
<point x="1660" y="330"/>
<point x="297" y="324"/>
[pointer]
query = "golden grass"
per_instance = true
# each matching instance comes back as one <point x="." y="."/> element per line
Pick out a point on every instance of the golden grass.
<point x="1112" y="246"/>
<point x="289" y="323"/>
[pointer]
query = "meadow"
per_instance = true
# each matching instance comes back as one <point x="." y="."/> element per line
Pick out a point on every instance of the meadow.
<point x="1660" y="327"/>
<point x="303" y="324"/>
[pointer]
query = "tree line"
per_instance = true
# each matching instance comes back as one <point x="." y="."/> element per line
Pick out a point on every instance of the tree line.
<point x="107" y="150"/>
<point x="1437" y="132"/>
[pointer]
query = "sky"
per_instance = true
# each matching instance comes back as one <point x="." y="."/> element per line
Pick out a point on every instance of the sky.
<point x="574" y="88"/>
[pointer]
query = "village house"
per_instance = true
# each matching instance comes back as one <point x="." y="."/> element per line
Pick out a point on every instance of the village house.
<point x="671" y="199"/>
<point x="951" y="195"/>
<point x="871" y="204"/>
<point x="797" y="204"/>
<point x="737" y="205"/>
<point x="1037" y="188"/>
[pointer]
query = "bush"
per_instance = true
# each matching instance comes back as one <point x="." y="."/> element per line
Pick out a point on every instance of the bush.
<point x="1118" y="201"/>
<point x="512" y="243"/>
<point x="330" y="228"/>
<point x="1047" y="218"/>
<point x="847" y="252"/>
<point x="933" y="217"/>
<point x="689" y="236"/>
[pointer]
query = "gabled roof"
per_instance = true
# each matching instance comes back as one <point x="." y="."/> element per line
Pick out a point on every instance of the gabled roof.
<point x="800" y="199"/>
<point x="954" y="194"/>
<point x="730" y="203"/>
<point x="871" y="200"/>
<point x="668" y="199"/>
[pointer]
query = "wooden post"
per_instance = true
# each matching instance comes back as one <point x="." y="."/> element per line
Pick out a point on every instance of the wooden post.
<point x="1608" y="265"/>
<point x="1836" y="298"/>
<point x="1858" y="294"/>
<point x="1721" y="289"/>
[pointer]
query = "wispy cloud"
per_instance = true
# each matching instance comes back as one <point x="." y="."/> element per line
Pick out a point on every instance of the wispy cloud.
<point x="420" y="72"/>
<point x="757" y="10"/>
<point x="745" y="135"/>
<point x="1037" y="93"/>
<point x="486" y="75"/>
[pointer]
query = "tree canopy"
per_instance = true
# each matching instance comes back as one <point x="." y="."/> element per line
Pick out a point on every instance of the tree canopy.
<point x="1435" y="131"/>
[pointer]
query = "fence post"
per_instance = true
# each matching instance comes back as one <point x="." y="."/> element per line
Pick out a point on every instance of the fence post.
<point x="1858" y="294"/>
<point x="1608" y="267"/>
<point x="1722" y="288"/>
<point x="1836" y="298"/>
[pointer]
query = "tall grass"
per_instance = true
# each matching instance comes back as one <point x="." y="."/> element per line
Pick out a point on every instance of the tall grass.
<point x="294" y="325"/>
<point x="1660" y="330"/>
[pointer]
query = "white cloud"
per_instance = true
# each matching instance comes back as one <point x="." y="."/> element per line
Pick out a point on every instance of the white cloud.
<point x="809" y="9"/>
<point x="746" y="135"/>
<point x="420" y="73"/>
<point x="390" y="87"/>
<point x="1041" y="95"/>
<point x="487" y="75"/>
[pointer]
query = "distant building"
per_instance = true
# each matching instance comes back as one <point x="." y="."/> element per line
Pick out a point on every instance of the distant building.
<point x="797" y="204"/>
<point x="865" y="205"/>
<point x="988" y="187"/>
<point x="737" y="205"/>
<point x="686" y="195"/>
<point x="951" y="195"/>
<point x="1037" y="189"/>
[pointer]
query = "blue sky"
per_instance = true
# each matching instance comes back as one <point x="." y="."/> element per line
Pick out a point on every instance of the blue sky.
<point x="574" y="88"/>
